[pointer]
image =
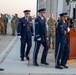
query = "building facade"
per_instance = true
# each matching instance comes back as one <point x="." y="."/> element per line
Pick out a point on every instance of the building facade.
<point x="56" y="7"/>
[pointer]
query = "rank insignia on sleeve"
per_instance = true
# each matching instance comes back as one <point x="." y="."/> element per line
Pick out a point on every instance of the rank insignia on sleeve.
<point x="36" y="22"/>
<point x="61" y="25"/>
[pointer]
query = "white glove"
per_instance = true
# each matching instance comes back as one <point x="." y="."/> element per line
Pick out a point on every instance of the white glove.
<point x="47" y="38"/>
<point x="39" y="39"/>
<point x="68" y="29"/>
<point x="64" y="32"/>
<point x="19" y="37"/>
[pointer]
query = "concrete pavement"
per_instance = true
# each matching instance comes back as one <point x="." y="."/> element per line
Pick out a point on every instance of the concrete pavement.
<point x="5" y="40"/>
<point x="13" y="65"/>
<point x="10" y="59"/>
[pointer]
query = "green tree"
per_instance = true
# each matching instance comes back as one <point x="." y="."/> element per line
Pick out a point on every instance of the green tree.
<point x="69" y="1"/>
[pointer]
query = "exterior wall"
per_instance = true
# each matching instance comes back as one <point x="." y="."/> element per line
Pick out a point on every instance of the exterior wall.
<point x="71" y="6"/>
<point x="56" y="7"/>
<point x="53" y="6"/>
<point x="48" y="8"/>
<point x="60" y="7"/>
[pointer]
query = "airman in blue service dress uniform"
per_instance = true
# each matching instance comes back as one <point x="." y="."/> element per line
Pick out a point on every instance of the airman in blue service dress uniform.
<point x="40" y="37"/>
<point x="24" y="33"/>
<point x="63" y="47"/>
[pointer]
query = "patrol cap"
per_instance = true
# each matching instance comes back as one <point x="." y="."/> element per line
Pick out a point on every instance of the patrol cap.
<point x="41" y="10"/>
<point x="27" y="11"/>
<point x="63" y="14"/>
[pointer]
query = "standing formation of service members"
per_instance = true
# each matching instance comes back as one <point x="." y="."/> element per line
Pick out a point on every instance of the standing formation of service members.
<point x="52" y="23"/>
<point x="3" y="24"/>
<point x="62" y="43"/>
<point x="25" y="35"/>
<point x="40" y="37"/>
<point x="14" y="23"/>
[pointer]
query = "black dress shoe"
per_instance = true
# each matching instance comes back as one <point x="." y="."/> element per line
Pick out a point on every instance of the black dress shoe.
<point x="1" y="69"/>
<point x="22" y="59"/>
<point x="45" y="63"/>
<point x="58" y="67"/>
<point x="35" y="64"/>
<point x="64" y="66"/>
<point x="27" y="57"/>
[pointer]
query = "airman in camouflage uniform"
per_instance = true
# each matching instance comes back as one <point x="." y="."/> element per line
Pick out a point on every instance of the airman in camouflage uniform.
<point x="2" y="27"/>
<point x="5" y="23"/>
<point x="14" y="23"/>
<point x="51" y="31"/>
<point x="16" y="20"/>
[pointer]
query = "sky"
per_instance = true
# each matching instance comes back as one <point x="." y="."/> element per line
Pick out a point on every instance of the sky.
<point x="17" y="6"/>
